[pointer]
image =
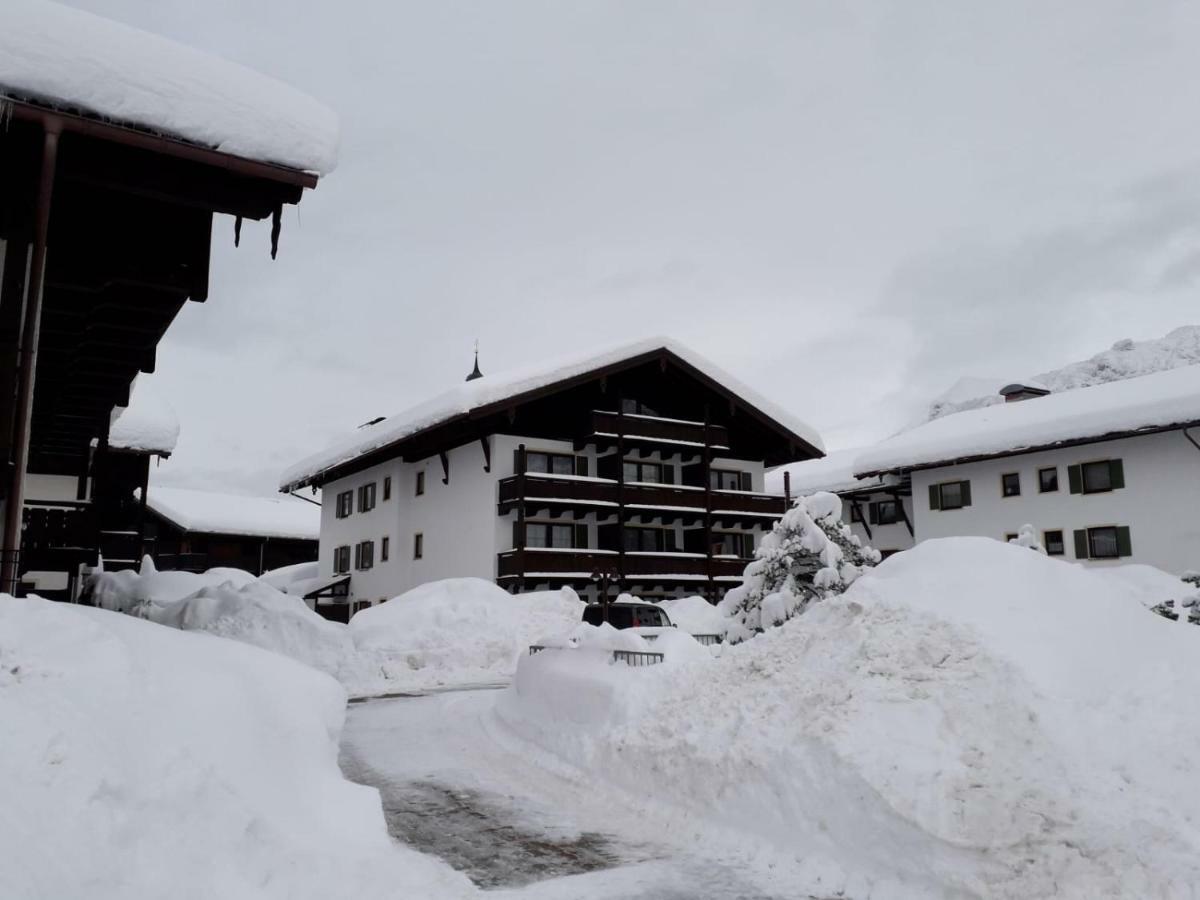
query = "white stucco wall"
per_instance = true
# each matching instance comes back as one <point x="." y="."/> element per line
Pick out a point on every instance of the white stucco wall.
<point x="1160" y="502"/>
<point x="884" y="538"/>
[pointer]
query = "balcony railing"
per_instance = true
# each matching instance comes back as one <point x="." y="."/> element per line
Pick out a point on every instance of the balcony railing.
<point x="653" y="429"/>
<point x="602" y="493"/>
<point x="580" y="564"/>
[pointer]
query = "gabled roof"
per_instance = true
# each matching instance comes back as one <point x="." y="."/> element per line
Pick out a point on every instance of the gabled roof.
<point x="209" y="512"/>
<point x="492" y="393"/>
<point x="1149" y="403"/>
<point x="71" y="60"/>
<point x="833" y="472"/>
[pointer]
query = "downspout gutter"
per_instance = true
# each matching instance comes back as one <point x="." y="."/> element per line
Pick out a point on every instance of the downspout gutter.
<point x="30" y="332"/>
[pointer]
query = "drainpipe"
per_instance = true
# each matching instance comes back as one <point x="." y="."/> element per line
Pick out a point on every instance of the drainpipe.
<point x="30" y="332"/>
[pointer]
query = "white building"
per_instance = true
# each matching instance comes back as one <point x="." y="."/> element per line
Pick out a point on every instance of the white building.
<point x="878" y="508"/>
<point x="644" y="463"/>
<point x="1106" y="474"/>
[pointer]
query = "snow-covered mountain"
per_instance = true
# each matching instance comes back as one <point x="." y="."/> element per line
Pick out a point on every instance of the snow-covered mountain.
<point x="1125" y="359"/>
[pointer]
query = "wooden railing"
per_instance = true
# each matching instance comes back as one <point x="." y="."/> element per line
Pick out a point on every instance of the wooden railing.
<point x="656" y="496"/>
<point x="639" y="566"/>
<point x="671" y="431"/>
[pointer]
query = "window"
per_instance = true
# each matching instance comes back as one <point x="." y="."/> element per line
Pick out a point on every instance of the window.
<point x="636" y="408"/>
<point x="364" y="554"/>
<point x="733" y="543"/>
<point x="545" y="534"/>
<point x="341" y="559"/>
<point x="1103" y="542"/>
<point x="1048" y="482"/>
<point x="550" y="463"/>
<point x="1096" y="477"/>
<point x="726" y="480"/>
<point x="418" y="545"/>
<point x="1053" y="540"/>
<point x="1010" y="484"/>
<point x="950" y="495"/>
<point x="650" y="473"/>
<point x="384" y="547"/>
<point x="366" y="497"/>
<point x="387" y="488"/>
<point x="420" y="483"/>
<point x="884" y="512"/>
<point x="1010" y="537"/>
<point x="855" y="512"/>
<point x="345" y="504"/>
<point x="650" y="540"/>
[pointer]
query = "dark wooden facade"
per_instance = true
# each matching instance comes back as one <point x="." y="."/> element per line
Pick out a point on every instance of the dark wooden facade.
<point x="172" y="547"/>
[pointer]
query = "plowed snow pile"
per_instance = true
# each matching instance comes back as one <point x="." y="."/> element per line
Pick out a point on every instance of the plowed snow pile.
<point x="455" y="631"/>
<point x="138" y="761"/>
<point x="972" y="719"/>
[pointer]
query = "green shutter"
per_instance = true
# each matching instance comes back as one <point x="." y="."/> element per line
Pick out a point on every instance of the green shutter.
<point x="872" y="513"/>
<point x="517" y="461"/>
<point x="1075" y="479"/>
<point x="744" y="481"/>
<point x="581" y="465"/>
<point x="581" y="540"/>
<point x="966" y="493"/>
<point x="935" y="498"/>
<point x="1081" y="543"/>
<point x="1116" y="473"/>
<point x="668" y="473"/>
<point x="516" y="535"/>
<point x="1124" y="544"/>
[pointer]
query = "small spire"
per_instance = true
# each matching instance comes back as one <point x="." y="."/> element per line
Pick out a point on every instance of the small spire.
<point x="475" y="373"/>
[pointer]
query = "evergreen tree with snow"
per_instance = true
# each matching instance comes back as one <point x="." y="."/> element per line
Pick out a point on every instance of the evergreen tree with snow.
<point x="810" y="554"/>
<point x="1187" y="608"/>
<point x="1027" y="537"/>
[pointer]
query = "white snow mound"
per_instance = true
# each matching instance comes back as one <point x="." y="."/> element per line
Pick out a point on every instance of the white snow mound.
<point x="968" y="719"/>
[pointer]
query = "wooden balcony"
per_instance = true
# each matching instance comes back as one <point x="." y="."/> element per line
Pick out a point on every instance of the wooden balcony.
<point x="656" y="432"/>
<point x="577" y="566"/>
<point x="601" y="495"/>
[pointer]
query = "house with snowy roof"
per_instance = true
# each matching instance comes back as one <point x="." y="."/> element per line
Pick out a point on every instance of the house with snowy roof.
<point x="643" y="464"/>
<point x="1106" y="474"/>
<point x="118" y="150"/>
<point x="878" y="508"/>
<point x="194" y="530"/>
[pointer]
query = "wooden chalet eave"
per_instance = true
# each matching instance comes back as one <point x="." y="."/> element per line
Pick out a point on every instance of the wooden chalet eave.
<point x="475" y="425"/>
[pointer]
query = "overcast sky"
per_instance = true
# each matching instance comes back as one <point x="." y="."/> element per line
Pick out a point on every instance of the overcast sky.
<point x="848" y="205"/>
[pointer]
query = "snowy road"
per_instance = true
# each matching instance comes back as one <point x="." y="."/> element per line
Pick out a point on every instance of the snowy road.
<point x="455" y="788"/>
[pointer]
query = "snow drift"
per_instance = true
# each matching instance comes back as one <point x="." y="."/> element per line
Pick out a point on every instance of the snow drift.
<point x="969" y="719"/>
<point x="459" y="630"/>
<point x="139" y="761"/>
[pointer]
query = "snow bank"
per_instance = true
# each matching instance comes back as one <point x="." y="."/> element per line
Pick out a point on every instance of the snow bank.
<point x="133" y="591"/>
<point x="298" y="579"/>
<point x="459" y="630"/>
<point x="695" y="615"/>
<point x="73" y="60"/>
<point x="968" y="719"/>
<point x="213" y="512"/>
<point x="139" y="761"/>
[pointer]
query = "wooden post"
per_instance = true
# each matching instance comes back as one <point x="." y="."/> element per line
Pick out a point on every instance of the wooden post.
<point x="707" y="470"/>
<point x="787" y="490"/>
<point x="521" y="466"/>
<point x="621" y="573"/>
<point x="10" y="569"/>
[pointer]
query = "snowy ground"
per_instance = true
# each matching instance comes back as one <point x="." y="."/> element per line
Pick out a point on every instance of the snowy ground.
<point x="521" y="824"/>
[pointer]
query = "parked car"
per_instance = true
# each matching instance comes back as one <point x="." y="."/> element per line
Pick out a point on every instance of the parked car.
<point x="628" y="614"/>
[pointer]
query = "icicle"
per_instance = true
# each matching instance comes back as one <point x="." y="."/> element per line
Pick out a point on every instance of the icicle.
<point x="276" y="224"/>
<point x="237" y="231"/>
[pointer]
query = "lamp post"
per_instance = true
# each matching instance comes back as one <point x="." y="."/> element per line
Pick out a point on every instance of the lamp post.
<point x="604" y="578"/>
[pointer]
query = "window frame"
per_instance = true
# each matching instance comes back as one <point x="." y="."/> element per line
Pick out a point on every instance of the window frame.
<point x="1062" y="541"/>
<point x="551" y="456"/>
<point x="341" y="559"/>
<point x="1091" y="545"/>
<point x="387" y="488"/>
<point x="1096" y="465"/>
<point x="896" y="515"/>
<point x="1004" y="485"/>
<point x="745" y="538"/>
<point x="640" y="465"/>
<point x="364" y="555"/>
<point x="419" y="545"/>
<point x="963" y="501"/>
<point x="419" y="488"/>
<point x="344" y="504"/>
<point x="661" y="530"/>
<point x="547" y="528"/>
<point x="385" y="546"/>
<point x="1042" y="489"/>
<point x="366" y="497"/>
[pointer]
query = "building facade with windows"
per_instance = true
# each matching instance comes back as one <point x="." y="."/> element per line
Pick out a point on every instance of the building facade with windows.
<point x="644" y="464"/>
<point x="1107" y="474"/>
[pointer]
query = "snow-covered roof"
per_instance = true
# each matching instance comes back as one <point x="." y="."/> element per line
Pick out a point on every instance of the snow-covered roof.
<point x="482" y="392"/>
<point x="147" y="425"/>
<point x="218" y="513"/>
<point x="1146" y="403"/>
<point x="833" y="472"/>
<point x="72" y="60"/>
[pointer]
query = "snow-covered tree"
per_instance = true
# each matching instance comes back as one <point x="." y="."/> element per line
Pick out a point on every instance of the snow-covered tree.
<point x="809" y="555"/>
<point x="1027" y="537"/>
<point x="1186" y="608"/>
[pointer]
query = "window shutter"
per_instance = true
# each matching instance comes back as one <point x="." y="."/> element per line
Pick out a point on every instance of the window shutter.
<point x="517" y="461"/>
<point x="935" y="498"/>
<point x="744" y="481"/>
<point x="581" y="465"/>
<point x="1124" y="544"/>
<point x="516" y="535"/>
<point x="1075" y="480"/>
<point x="966" y="493"/>
<point x="872" y="513"/>
<point x="668" y="473"/>
<point x="1081" y="545"/>
<point x="1116" y="474"/>
<point x="357" y="555"/>
<point x="581" y="540"/>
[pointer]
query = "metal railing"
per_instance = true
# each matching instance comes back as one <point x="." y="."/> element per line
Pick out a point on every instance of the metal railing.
<point x="629" y="657"/>
<point x="708" y="640"/>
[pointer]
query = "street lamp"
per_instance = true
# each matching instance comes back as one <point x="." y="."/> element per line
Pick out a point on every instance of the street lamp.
<point x="604" y="578"/>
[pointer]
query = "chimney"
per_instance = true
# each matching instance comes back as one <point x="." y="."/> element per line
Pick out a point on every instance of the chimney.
<point x="1017" y="391"/>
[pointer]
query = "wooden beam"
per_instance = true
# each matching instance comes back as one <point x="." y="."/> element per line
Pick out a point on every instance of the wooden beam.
<point x="487" y="454"/>
<point x="445" y="466"/>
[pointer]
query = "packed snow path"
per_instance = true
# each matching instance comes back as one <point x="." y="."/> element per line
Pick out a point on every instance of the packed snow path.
<point x="452" y="787"/>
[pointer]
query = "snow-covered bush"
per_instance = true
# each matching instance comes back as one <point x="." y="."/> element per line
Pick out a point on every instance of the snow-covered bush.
<point x="1027" y="537"/>
<point x="810" y="554"/>
<point x="1185" y="608"/>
